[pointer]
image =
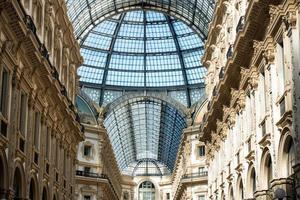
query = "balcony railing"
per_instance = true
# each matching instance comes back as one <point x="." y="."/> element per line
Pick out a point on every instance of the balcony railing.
<point x="90" y="174"/>
<point x="241" y="24"/>
<point x="96" y="175"/>
<point x="195" y="175"/>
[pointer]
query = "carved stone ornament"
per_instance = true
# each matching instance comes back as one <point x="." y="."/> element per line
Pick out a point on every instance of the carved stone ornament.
<point x="231" y="118"/>
<point x="290" y="20"/>
<point x="101" y="112"/>
<point x="241" y="102"/>
<point x="226" y="111"/>
<point x="254" y="75"/>
<point x="273" y="11"/>
<point x="58" y="33"/>
<point x="234" y="96"/>
<point x="219" y="126"/>
<point x="16" y="78"/>
<point x="256" y="46"/>
<point x="224" y="132"/>
<point x="226" y="7"/>
<point x="49" y="9"/>
<point x="269" y="50"/>
<point x="244" y="75"/>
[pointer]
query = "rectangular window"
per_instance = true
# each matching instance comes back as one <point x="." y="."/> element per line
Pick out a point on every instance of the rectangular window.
<point x="65" y="162"/>
<point x="201" y="197"/>
<point x="87" y="150"/>
<point x="37" y="130"/>
<point x="263" y="128"/>
<point x="4" y="92"/>
<point x="201" y="171"/>
<point x="201" y="150"/>
<point x="248" y="119"/>
<point x="23" y="114"/>
<point x="168" y="196"/>
<point x="49" y="39"/>
<point x="280" y="67"/>
<point x="87" y="170"/>
<point x="249" y="145"/>
<point x="86" y="197"/>
<point x="48" y="142"/>
<point x="56" y="152"/>
<point x="262" y="92"/>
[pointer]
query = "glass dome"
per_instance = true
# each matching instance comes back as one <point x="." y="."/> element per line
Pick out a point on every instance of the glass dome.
<point x="142" y="50"/>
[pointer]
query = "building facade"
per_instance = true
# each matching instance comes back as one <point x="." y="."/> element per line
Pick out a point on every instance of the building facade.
<point x="39" y="126"/>
<point x="109" y="100"/>
<point x="251" y="127"/>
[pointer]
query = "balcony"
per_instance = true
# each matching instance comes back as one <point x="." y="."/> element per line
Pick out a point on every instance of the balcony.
<point x="193" y="178"/>
<point x="90" y="174"/>
<point x="96" y="175"/>
<point x="241" y="24"/>
<point x="195" y="175"/>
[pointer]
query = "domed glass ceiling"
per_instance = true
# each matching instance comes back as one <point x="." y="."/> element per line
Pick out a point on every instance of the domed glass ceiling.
<point x="142" y="50"/>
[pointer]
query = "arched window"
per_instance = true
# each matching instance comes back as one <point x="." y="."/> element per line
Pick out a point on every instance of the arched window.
<point x="32" y="190"/>
<point x="3" y="179"/>
<point x="253" y="181"/>
<point x="147" y="191"/>
<point x="2" y="174"/>
<point x="231" y="197"/>
<point x="269" y="170"/>
<point x="290" y="152"/>
<point x="18" y="184"/>
<point x="241" y="190"/>
<point x="45" y="196"/>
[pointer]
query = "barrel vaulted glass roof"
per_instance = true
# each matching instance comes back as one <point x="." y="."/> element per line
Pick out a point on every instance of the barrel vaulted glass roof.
<point x="142" y="50"/>
<point x="135" y="47"/>
<point x="145" y="131"/>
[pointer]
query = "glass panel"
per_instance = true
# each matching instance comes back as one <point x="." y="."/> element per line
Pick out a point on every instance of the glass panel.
<point x="144" y="129"/>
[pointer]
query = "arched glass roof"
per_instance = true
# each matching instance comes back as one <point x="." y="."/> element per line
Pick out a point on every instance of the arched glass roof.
<point x="135" y="48"/>
<point x="143" y="129"/>
<point x="141" y="50"/>
<point x="85" y="14"/>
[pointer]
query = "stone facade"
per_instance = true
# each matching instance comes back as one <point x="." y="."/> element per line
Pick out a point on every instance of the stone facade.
<point x="39" y="125"/>
<point x="251" y="127"/>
